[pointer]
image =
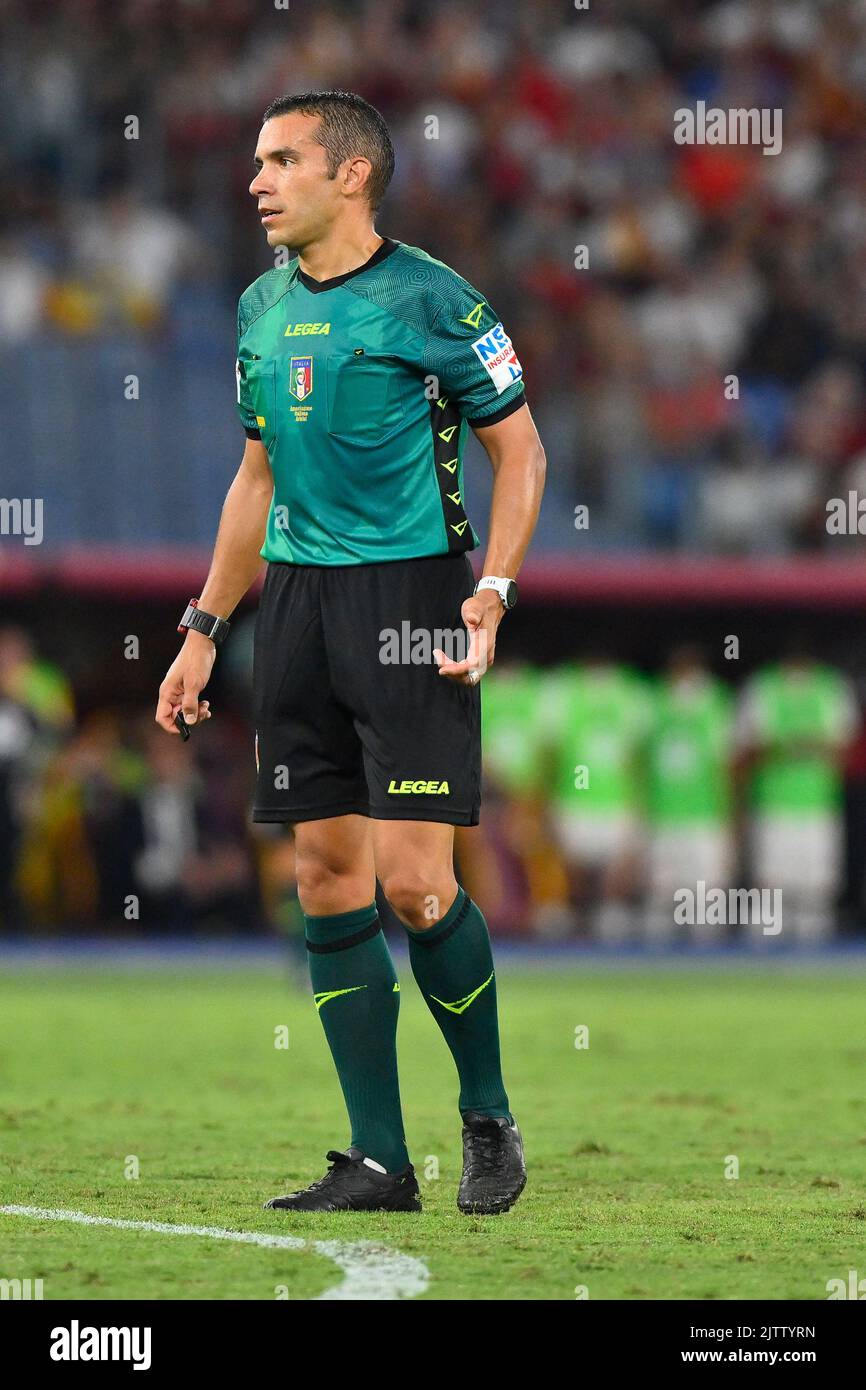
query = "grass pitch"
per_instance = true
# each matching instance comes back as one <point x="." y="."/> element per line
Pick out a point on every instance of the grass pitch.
<point x="628" y="1140"/>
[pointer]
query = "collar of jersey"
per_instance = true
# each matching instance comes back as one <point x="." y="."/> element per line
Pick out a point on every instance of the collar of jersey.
<point x="317" y="286"/>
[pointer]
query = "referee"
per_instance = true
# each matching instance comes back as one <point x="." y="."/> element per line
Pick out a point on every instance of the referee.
<point x="361" y="363"/>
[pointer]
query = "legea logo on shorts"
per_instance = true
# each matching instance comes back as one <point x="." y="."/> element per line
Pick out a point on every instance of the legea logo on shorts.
<point x="422" y="787"/>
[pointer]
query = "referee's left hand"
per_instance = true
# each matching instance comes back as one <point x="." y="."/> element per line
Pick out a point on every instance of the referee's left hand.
<point x="482" y="614"/>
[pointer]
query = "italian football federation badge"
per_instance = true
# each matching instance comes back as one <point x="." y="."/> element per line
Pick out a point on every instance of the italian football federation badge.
<point x="301" y="377"/>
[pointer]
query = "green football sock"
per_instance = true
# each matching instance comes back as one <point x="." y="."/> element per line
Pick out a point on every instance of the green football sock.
<point x="358" y="998"/>
<point x="453" y="965"/>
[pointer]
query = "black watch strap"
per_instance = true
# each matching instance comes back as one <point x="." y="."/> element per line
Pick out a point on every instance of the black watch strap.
<point x="195" y="620"/>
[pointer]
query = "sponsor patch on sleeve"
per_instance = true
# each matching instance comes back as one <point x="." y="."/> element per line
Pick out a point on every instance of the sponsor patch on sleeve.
<point x="496" y="353"/>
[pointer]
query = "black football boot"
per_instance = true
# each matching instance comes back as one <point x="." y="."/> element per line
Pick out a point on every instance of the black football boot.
<point x="352" y="1183"/>
<point x="494" y="1169"/>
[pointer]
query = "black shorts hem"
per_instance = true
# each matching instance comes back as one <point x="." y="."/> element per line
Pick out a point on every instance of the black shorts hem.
<point x="269" y="815"/>
<point x="441" y="815"/>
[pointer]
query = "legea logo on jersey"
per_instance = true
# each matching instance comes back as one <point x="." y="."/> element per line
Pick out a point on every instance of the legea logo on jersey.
<point x="301" y="377"/>
<point x="304" y="330"/>
<point x="496" y="352"/>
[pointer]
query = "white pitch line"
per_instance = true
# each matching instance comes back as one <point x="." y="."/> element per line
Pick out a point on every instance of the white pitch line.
<point x="371" y="1271"/>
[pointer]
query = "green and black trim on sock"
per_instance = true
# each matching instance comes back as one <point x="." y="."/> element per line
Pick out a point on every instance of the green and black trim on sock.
<point x="356" y="993"/>
<point x="453" y="965"/>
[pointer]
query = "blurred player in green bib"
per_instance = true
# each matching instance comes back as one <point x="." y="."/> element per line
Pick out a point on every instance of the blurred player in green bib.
<point x="520" y="827"/>
<point x="688" y="791"/>
<point x="795" y="722"/>
<point x="511" y="718"/>
<point x="595" y="718"/>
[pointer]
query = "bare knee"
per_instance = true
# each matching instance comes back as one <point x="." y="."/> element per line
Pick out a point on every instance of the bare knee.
<point x="329" y="881"/>
<point x="419" y="899"/>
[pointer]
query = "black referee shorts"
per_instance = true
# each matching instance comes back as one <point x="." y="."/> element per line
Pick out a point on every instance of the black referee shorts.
<point x="351" y="714"/>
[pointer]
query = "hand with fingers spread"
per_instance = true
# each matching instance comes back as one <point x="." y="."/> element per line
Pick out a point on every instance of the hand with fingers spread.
<point x="482" y="614"/>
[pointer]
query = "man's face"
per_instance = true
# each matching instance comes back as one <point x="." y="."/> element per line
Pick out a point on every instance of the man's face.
<point x="297" y="199"/>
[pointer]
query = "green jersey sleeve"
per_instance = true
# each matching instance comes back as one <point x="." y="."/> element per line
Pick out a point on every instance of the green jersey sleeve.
<point x="472" y="357"/>
<point x="245" y="409"/>
<point x="244" y="404"/>
<point x="250" y="306"/>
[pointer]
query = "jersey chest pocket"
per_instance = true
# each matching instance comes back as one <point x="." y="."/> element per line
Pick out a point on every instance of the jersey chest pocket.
<point x="260" y="380"/>
<point x="365" y="402"/>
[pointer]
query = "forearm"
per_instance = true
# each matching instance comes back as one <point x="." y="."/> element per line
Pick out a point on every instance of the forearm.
<point x="517" y="490"/>
<point x="236" y="560"/>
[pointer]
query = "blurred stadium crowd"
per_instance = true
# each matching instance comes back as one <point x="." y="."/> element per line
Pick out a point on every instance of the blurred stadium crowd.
<point x="555" y="130"/>
<point x="606" y="792"/>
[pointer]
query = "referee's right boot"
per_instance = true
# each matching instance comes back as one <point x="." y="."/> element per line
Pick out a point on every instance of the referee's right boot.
<point x="354" y="1183"/>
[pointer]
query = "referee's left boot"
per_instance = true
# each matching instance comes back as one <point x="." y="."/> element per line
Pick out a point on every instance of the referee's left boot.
<point x="494" y="1168"/>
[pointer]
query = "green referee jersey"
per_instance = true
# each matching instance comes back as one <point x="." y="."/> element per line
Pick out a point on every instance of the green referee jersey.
<point x="362" y="388"/>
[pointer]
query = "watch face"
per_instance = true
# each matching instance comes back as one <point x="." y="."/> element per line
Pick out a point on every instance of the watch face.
<point x="505" y="588"/>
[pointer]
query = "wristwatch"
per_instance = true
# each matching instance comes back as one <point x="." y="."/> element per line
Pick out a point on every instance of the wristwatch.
<point x="195" y="620"/>
<point x="505" y="588"/>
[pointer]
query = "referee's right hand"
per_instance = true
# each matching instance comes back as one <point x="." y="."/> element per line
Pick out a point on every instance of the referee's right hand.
<point x="185" y="678"/>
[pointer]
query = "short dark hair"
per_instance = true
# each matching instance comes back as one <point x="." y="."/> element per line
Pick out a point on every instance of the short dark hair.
<point x="349" y="126"/>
